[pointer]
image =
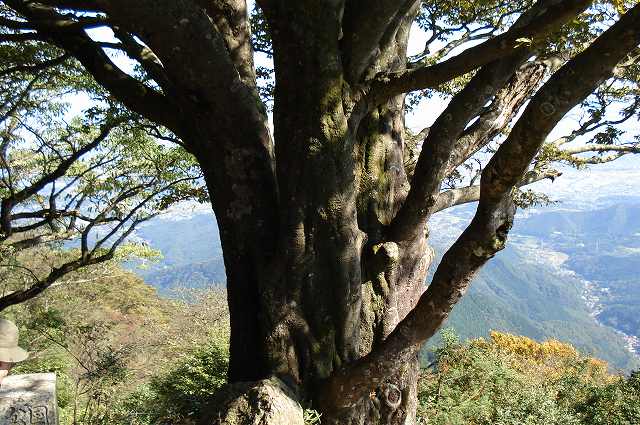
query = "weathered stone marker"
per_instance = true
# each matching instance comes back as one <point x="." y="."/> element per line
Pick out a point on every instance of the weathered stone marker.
<point x="29" y="400"/>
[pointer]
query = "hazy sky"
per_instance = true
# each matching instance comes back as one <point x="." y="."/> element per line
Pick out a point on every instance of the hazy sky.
<point x="623" y="173"/>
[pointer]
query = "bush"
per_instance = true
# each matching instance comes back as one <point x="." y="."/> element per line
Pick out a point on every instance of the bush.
<point x="511" y="380"/>
<point x="178" y="396"/>
<point x="121" y="354"/>
<point x="615" y="404"/>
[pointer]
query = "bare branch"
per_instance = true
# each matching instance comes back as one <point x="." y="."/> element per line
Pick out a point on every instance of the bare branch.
<point x="469" y="194"/>
<point x="439" y="144"/>
<point x="144" y="55"/>
<point x="545" y="17"/>
<point x="600" y="148"/>
<point x="41" y="239"/>
<point x="495" y="118"/>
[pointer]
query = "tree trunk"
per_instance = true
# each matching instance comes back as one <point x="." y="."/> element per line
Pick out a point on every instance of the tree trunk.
<point x="325" y="244"/>
<point x="330" y="294"/>
<point x="242" y="191"/>
<point x="334" y="289"/>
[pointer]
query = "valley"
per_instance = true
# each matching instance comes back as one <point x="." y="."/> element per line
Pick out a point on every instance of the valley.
<point x="566" y="274"/>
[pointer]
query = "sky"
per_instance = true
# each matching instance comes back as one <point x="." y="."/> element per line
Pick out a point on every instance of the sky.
<point x="622" y="175"/>
<point x="580" y="189"/>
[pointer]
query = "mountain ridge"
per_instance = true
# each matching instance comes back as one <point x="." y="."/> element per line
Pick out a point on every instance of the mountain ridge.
<point x="530" y="288"/>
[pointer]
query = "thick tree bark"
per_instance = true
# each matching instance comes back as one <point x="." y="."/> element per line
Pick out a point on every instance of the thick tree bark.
<point x="342" y="179"/>
<point x="488" y="231"/>
<point x="324" y="233"/>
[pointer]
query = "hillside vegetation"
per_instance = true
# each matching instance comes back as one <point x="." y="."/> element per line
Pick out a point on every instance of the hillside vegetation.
<point x="516" y="292"/>
<point x="509" y="379"/>
<point x="603" y="246"/>
<point x="123" y="355"/>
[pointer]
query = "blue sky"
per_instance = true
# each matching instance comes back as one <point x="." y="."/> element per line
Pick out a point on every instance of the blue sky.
<point x="619" y="174"/>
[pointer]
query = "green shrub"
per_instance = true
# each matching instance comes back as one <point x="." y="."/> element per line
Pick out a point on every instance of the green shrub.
<point x="511" y="380"/>
<point x="178" y="395"/>
<point x="615" y="404"/>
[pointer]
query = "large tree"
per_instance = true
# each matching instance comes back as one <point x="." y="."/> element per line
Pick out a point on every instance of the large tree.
<point x="323" y="220"/>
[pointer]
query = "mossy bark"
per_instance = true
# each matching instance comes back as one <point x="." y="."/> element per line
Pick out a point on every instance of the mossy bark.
<point x="325" y="247"/>
<point x="334" y="289"/>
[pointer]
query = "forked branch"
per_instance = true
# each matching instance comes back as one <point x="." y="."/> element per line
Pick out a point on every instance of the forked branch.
<point x="487" y="233"/>
<point x="546" y="16"/>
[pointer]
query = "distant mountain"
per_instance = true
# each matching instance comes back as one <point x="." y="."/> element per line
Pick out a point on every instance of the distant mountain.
<point x="520" y="294"/>
<point x="543" y="285"/>
<point x="190" y="246"/>
<point x="603" y="248"/>
<point x="194" y="275"/>
<point x="621" y="220"/>
<point x="596" y="187"/>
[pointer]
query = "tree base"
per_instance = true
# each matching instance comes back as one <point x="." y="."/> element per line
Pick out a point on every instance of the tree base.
<point x="267" y="402"/>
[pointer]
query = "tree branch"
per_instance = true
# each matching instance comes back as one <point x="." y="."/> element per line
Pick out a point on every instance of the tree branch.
<point x="37" y="67"/>
<point x="365" y="23"/>
<point x="466" y="195"/>
<point x="23" y="244"/>
<point x="14" y="25"/>
<point x="232" y="22"/>
<point x="144" y="56"/>
<point x="10" y="201"/>
<point x="545" y="16"/>
<point x="437" y="149"/>
<point x="488" y="230"/>
<point x="40" y="286"/>
<point x="601" y="148"/>
<point x="5" y="115"/>
<point x="134" y="94"/>
<point x="495" y="118"/>
<point x="20" y="37"/>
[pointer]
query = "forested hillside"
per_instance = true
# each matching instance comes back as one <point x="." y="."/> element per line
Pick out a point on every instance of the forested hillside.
<point x="192" y="255"/>
<point x="522" y="291"/>
<point x="603" y="247"/>
<point x="528" y="298"/>
<point x="123" y="355"/>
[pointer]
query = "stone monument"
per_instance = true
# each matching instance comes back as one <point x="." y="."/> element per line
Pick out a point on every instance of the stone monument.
<point x="29" y="400"/>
